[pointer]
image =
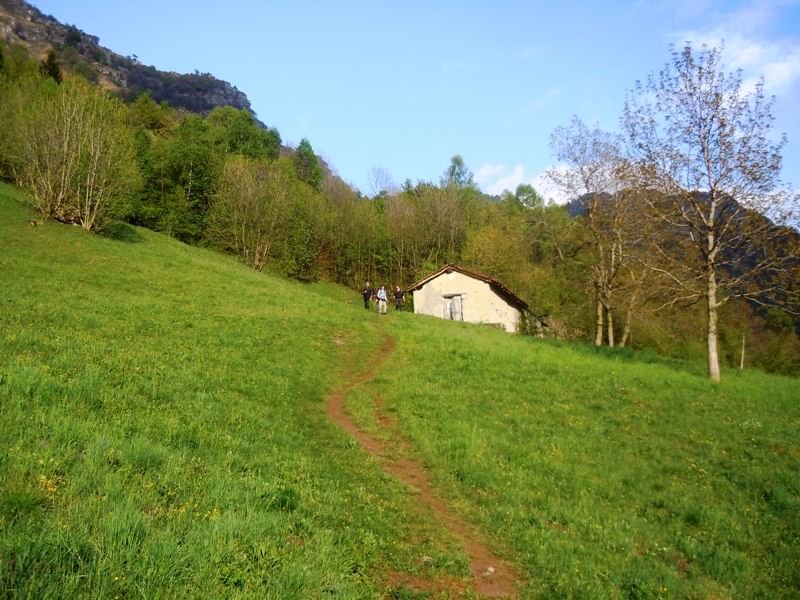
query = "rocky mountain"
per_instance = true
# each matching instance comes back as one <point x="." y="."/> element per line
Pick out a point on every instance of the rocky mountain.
<point x="24" y="26"/>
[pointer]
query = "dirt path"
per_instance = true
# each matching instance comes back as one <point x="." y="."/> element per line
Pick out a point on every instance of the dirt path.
<point x="491" y="576"/>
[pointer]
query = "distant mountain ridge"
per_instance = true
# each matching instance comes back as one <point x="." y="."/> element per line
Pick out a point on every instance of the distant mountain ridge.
<point x="23" y="25"/>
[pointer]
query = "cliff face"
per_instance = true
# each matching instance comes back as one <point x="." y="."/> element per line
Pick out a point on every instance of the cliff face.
<point x="25" y="26"/>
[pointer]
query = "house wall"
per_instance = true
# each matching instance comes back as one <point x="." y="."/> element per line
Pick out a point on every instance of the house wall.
<point x="479" y="304"/>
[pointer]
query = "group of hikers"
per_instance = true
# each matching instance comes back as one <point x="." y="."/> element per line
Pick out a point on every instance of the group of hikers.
<point x="381" y="299"/>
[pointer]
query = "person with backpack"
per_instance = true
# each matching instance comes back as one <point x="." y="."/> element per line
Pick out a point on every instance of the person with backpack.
<point x="367" y="294"/>
<point x="399" y="298"/>
<point x="382" y="300"/>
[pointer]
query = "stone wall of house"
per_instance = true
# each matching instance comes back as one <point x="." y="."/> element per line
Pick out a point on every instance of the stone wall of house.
<point x="478" y="303"/>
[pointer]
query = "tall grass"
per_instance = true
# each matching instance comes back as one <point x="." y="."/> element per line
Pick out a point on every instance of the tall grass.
<point x="164" y="431"/>
<point x="164" y="434"/>
<point x="607" y="475"/>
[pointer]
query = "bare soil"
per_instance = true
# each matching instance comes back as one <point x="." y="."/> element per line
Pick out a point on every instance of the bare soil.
<point x="490" y="575"/>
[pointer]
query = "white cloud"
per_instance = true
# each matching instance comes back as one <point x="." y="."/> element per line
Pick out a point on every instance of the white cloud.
<point x="507" y="182"/>
<point x="488" y="172"/>
<point x="546" y="188"/>
<point x="496" y="179"/>
<point x="751" y="46"/>
<point x="544" y="100"/>
<point x="780" y="75"/>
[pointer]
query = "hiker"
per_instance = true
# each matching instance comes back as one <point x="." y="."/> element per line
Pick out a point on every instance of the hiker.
<point x="399" y="298"/>
<point x="367" y="293"/>
<point x="382" y="300"/>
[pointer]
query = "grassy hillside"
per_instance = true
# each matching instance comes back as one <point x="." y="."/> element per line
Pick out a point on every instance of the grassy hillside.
<point x="608" y="474"/>
<point x="164" y="430"/>
<point x="164" y="434"/>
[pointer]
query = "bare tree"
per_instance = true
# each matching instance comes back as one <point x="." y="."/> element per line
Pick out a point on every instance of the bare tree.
<point x="380" y="182"/>
<point x="703" y="143"/>
<point x="592" y="170"/>
<point x="69" y="147"/>
<point x="400" y="224"/>
<point x="251" y="209"/>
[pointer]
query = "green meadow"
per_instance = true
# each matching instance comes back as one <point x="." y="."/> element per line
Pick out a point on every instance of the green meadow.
<point x="164" y="434"/>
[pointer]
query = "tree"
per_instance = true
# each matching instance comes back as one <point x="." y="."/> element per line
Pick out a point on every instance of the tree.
<point x="457" y="174"/>
<point x="380" y="182"/>
<point x="527" y="196"/>
<point x="50" y="67"/>
<point x="239" y="133"/>
<point x="145" y="112"/>
<point x="107" y="170"/>
<point x="499" y="250"/>
<point x="401" y="221"/>
<point x="442" y="219"/>
<point x="703" y="143"/>
<point x="194" y="166"/>
<point x="349" y="239"/>
<point x="307" y="165"/>
<point x="251" y="208"/>
<point x="593" y="177"/>
<point x="69" y="146"/>
<point x="560" y="260"/>
<point x="264" y="215"/>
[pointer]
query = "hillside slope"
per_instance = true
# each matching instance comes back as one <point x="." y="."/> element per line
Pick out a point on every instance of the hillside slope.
<point x="164" y="429"/>
<point x="165" y="435"/>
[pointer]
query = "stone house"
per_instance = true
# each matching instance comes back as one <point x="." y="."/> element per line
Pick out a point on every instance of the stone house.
<point x="461" y="295"/>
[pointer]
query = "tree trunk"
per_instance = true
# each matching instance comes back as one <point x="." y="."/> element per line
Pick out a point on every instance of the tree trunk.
<point x="741" y="362"/>
<point x="713" y="353"/>
<point x="610" y="322"/>
<point x="626" y="330"/>
<point x="598" y="336"/>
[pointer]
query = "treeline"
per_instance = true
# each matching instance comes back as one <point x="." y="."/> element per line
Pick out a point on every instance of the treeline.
<point x="226" y="182"/>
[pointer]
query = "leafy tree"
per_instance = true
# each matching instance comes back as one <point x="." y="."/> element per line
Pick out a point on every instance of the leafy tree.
<point x="145" y="112"/>
<point x="181" y="167"/>
<point x="527" y="196"/>
<point x="703" y="141"/>
<point x="267" y="217"/>
<point x="192" y="167"/>
<point x="355" y="238"/>
<point x="252" y="208"/>
<point x="347" y="240"/>
<point x="558" y="250"/>
<point x="17" y="64"/>
<point x="499" y="249"/>
<point x="239" y="133"/>
<point x="782" y="348"/>
<point x="153" y="198"/>
<point x="51" y="68"/>
<point x="402" y="228"/>
<point x="307" y="165"/>
<point x="301" y="246"/>
<point x="442" y="223"/>
<point x="458" y="175"/>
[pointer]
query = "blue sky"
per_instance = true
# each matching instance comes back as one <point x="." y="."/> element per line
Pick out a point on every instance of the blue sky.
<point x="401" y="87"/>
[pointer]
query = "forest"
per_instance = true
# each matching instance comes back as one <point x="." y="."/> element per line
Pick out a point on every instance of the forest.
<point x="662" y="248"/>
